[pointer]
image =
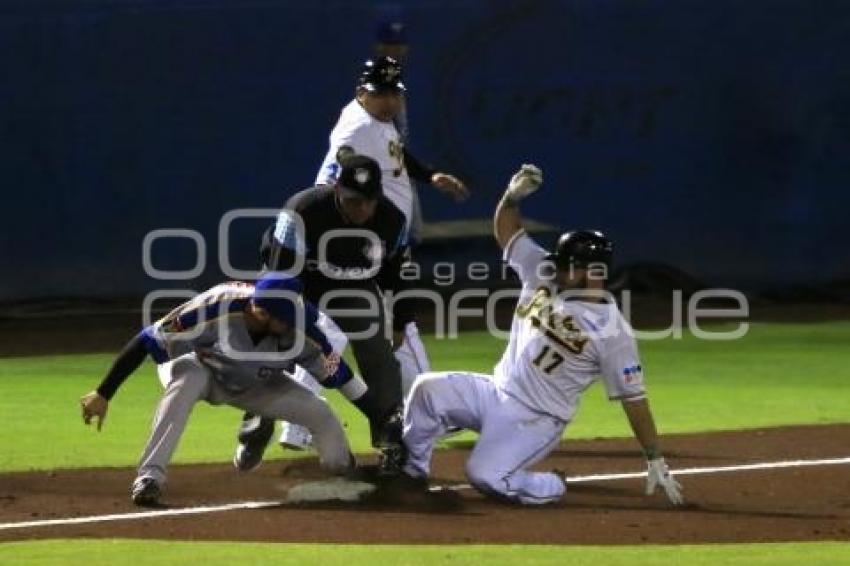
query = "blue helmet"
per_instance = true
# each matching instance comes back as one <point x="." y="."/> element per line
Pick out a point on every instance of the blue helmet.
<point x="277" y="294"/>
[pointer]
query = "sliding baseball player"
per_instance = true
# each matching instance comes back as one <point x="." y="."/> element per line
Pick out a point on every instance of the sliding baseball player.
<point x="566" y="333"/>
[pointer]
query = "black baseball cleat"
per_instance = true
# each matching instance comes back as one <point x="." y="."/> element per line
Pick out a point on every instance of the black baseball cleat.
<point x="388" y="432"/>
<point x="255" y="430"/>
<point x="391" y="460"/>
<point x="386" y="437"/>
<point x="145" y="492"/>
<point x="248" y="458"/>
<point x="254" y="436"/>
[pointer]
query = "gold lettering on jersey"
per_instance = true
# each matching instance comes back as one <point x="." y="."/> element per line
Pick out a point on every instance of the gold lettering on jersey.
<point x="557" y="327"/>
<point x="396" y="150"/>
<point x="538" y="302"/>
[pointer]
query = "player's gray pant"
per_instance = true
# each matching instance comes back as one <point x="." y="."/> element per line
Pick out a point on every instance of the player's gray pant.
<point x="187" y="381"/>
<point x="512" y="437"/>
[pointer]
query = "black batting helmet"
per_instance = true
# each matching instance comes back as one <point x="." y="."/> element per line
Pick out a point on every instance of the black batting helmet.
<point x="580" y="248"/>
<point x="381" y="74"/>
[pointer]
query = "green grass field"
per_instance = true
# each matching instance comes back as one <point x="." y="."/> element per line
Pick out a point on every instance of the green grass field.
<point x="91" y="553"/>
<point x="778" y="374"/>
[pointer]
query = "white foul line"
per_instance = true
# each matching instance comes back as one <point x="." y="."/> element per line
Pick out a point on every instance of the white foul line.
<point x="716" y="469"/>
<point x="264" y="504"/>
<point x="691" y="471"/>
<point x="142" y="515"/>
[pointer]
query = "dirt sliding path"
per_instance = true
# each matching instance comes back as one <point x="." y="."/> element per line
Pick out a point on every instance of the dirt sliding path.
<point x="788" y="504"/>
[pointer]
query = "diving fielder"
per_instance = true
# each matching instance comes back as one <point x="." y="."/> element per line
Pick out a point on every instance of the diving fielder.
<point x="234" y="344"/>
<point x="565" y="334"/>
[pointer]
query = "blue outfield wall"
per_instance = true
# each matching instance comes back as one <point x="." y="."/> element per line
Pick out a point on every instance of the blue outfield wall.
<point x="712" y="135"/>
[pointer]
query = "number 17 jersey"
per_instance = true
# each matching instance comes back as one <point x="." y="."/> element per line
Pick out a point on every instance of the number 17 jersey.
<point x="559" y="344"/>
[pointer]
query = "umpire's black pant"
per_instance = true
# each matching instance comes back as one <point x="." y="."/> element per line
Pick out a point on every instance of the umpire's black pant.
<point x="374" y="353"/>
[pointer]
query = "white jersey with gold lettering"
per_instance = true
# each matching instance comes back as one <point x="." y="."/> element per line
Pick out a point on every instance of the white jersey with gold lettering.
<point x="560" y="345"/>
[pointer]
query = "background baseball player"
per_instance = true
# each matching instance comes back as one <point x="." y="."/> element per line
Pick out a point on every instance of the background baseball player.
<point x="564" y="335"/>
<point x="391" y="41"/>
<point x="204" y="352"/>
<point x="368" y="126"/>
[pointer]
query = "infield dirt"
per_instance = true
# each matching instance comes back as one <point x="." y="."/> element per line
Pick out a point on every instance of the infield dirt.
<point x="793" y="504"/>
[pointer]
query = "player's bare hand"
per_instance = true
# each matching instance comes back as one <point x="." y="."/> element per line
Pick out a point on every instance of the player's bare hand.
<point x="94" y="406"/>
<point x="525" y="181"/>
<point x="450" y="185"/>
<point x="658" y="474"/>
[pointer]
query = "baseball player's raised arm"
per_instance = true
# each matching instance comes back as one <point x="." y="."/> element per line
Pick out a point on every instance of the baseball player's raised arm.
<point x="507" y="220"/>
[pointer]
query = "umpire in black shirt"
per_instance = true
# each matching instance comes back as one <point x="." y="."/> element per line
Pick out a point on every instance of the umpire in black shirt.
<point x="354" y="268"/>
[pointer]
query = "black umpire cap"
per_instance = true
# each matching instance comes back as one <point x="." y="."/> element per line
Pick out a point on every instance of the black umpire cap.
<point x="381" y="74"/>
<point x="581" y="248"/>
<point x="360" y="174"/>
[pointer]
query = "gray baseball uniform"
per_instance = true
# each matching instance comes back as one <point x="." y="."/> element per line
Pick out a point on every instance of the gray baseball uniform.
<point x="205" y="352"/>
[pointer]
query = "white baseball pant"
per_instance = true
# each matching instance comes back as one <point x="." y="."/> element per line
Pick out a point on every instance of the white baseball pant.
<point x="512" y="436"/>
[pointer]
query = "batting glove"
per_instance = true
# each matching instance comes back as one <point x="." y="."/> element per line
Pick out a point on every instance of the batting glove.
<point x="524" y="182"/>
<point x="659" y="474"/>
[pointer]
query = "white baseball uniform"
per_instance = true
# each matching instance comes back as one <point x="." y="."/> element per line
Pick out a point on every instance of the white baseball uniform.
<point x="558" y="347"/>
